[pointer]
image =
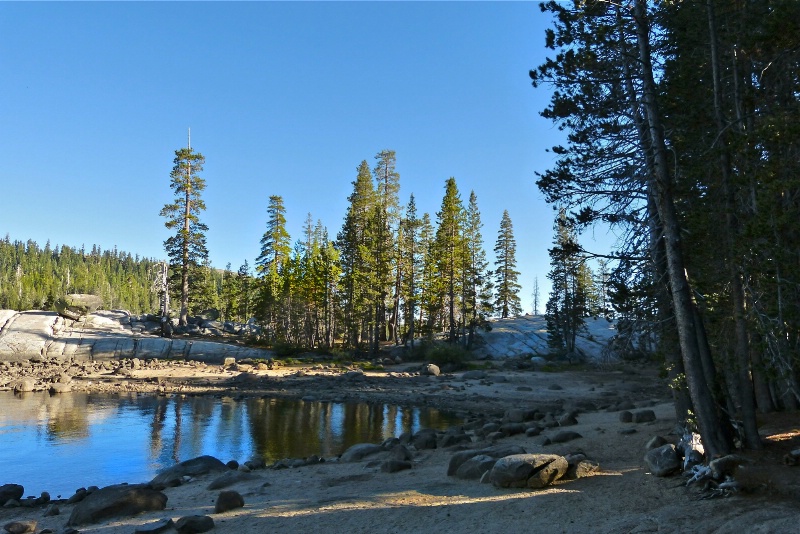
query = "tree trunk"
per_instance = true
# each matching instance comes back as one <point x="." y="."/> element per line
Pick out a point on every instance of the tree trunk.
<point x="708" y="418"/>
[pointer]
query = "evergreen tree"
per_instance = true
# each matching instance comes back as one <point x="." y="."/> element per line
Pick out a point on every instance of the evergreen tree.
<point x="507" y="302"/>
<point x="270" y="266"/>
<point x="566" y="307"/>
<point x="187" y="248"/>
<point x="448" y="253"/>
<point x="477" y="286"/>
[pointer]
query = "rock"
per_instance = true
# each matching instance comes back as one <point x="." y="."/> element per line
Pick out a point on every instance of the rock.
<point x="20" y="527"/>
<point x="359" y="451"/>
<point x="228" y="500"/>
<point x="625" y="417"/>
<point x="512" y="429"/>
<point x="52" y="510"/>
<point x="542" y="441"/>
<point x="157" y="526"/>
<point x="655" y="442"/>
<point x="424" y="439"/>
<point x="515" y="415"/>
<point x="555" y="387"/>
<point x="77" y="305"/>
<point x="116" y="501"/>
<point x="450" y="439"/>
<point x="565" y="436"/>
<point x="475" y="467"/>
<point x="533" y="431"/>
<point x="644" y="416"/>
<point x="663" y="460"/>
<point x="192" y="524"/>
<point x="400" y="452"/>
<point x="60" y="387"/>
<point x="568" y="419"/>
<point x="11" y="491"/>
<point x="173" y="476"/>
<point x="579" y="466"/>
<point x="393" y="466"/>
<point x="497" y="451"/>
<point x="431" y="369"/>
<point x="43" y="498"/>
<point x="527" y="470"/>
<point x="25" y="385"/>
<point x="230" y="478"/>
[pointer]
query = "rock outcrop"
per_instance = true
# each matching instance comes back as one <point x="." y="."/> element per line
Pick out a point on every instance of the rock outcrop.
<point x="104" y="335"/>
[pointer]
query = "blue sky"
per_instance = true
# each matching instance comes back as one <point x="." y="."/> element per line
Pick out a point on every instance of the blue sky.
<point x="283" y="98"/>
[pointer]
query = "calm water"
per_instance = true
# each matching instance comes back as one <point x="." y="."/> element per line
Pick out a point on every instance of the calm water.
<point x="61" y="443"/>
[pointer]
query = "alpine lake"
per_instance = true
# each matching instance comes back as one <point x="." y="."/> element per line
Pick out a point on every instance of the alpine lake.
<point x="63" y="442"/>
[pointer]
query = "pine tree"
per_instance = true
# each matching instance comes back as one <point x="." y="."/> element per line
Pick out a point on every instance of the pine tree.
<point x="187" y="248"/>
<point x="477" y="286"/>
<point x="507" y="302"/>
<point x="355" y="242"/>
<point x="270" y="265"/>
<point x="449" y="252"/>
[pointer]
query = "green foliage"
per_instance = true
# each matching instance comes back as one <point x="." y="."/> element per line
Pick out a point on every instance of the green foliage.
<point x="34" y="278"/>
<point x="507" y="302"/>
<point x="445" y="354"/>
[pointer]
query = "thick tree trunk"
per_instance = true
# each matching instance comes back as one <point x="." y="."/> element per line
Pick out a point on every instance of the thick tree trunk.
<point x="708" y="418"/>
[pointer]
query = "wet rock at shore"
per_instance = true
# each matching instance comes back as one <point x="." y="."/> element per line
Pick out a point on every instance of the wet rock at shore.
<point x="173" y="476"/>
<point x="115" y="501"/>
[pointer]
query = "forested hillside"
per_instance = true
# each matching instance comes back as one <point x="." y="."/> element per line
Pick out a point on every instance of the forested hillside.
<point x="32" y="277"/>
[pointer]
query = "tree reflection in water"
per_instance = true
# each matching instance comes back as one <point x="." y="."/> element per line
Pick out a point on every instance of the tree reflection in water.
<point x="81" y="439"/>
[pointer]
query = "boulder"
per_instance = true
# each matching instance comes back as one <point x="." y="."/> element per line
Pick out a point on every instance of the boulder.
<point x="115" y="501"/>
<point x="11" y="491"/>
<point x="77" y="305"/>
<point x="528" y="470"/>
<point x="431" y="369"/>
<point x="474" y="375"/>
<point x="228" y="500"/>
<point x="20" y="527"/>
<point x="424" y="439"/>
<point x="393" y="466"/>
<point x="496" y="451"/>
<point x="655" y="442"/>
<point x="359" y="451"/>
<point x="172" y="476"/>
<point x="663" y="461"/>
<point x="60" y="387"/>
<point x="192" y="524"/>
<point x="25" y="385"/>
<point x="644" y="416"/>
<point x="625" y="417"/>
<point x="475" y="467"/>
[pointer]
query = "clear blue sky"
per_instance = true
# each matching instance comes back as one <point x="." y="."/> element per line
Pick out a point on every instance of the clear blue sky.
<point x="282" y="99"/>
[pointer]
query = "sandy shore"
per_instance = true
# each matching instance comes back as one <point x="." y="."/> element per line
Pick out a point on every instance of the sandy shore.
<point x="359" y="497"/>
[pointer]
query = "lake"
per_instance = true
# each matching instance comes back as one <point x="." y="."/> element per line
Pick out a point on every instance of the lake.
<point x="63" y="442"/>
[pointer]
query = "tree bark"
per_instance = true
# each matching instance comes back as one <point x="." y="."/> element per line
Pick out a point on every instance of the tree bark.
<point x="708" y="418"/>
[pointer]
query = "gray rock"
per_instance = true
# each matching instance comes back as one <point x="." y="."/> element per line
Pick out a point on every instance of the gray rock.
<point x="173" y="476"/>
<point x="515" y="415"/>
<point x="230" y="478"/>
<point x="194" y="524"/>
<point x="77" y="305"/>
<point x="625" y="417"/>
<point x="512" y="429"/>
<point x="25" y="385"/>
<point x="475" y="467"/>
<point x="52" y="510"/>
<point x="157" y="526"/>
<point x="496" y="451"/>
<point x="644" y="416"/>
<point x="450" y="439"/>
<point x="663" y="460"/>
<point x="431" y="369"/>
<point x="533" y="431"/>
<point x="359" y="451"/>
<point x="60" y="387"/>
<point x="11" y="491"/>
<point x="20" y="527"/>
<point x="400" y="452"/>
<point x="424" y="439"/>
<point x="527" y="470"/>
<point x="116" y="501"/>
<point x="565" y="436"/>
<point x="568" y="419"/>
<point x="227" y="501"/>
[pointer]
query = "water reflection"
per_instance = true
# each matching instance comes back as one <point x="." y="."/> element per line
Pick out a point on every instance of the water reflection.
<point x="67" y="441"/>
